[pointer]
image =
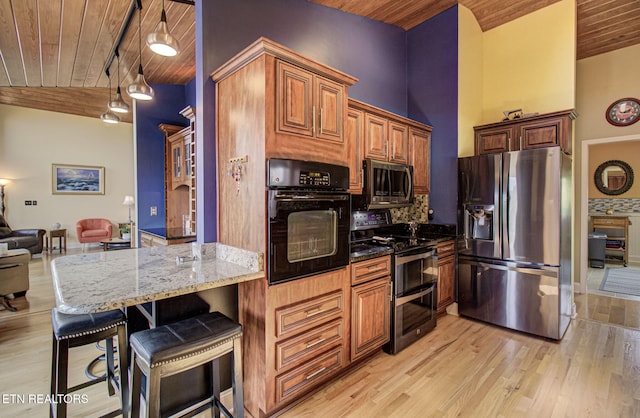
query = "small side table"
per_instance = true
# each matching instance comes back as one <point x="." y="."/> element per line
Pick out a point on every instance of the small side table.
<point x="61" y="234"/>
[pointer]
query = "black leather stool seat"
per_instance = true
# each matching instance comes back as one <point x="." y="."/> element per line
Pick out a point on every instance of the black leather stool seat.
<point x="75" y="330"/>
<point x="176" y="348"/>
<point x="184" y="338"/>
<point x="71" y="326"/>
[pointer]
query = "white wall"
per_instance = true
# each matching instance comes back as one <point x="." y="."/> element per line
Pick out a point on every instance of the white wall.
<point x="32" y="140"/>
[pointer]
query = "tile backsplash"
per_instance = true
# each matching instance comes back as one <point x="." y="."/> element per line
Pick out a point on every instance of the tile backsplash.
<point x="618" y="205"/>
<point x="418" y="212"/>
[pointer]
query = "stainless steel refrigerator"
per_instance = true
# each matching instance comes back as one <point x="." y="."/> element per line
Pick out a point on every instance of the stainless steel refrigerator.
<point x="514" y="213"/>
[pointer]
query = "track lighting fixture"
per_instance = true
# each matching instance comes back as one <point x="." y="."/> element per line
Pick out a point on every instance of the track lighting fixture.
<point x="139" y="89"/>
<point x="161" y="41"/>
<point x="109" y="116"/>
<point x="118" y="105"/>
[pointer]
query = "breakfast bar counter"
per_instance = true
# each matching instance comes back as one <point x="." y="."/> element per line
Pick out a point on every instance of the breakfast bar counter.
<point x="96" y="282"/>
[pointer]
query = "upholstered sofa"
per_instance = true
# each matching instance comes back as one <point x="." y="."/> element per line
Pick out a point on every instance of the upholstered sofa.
<point x="29" y="239"/>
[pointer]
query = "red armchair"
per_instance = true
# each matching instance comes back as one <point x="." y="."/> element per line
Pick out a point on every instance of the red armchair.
<point x="93" y="230"/>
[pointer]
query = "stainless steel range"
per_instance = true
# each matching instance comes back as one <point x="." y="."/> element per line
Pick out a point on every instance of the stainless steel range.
<point x="415" y="272"/>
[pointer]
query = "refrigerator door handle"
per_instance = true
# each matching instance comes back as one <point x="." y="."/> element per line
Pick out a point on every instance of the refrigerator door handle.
<point x="504" y="214"/>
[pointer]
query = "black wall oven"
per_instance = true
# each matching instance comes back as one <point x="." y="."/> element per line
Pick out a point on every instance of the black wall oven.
<point x="309" y="218"/>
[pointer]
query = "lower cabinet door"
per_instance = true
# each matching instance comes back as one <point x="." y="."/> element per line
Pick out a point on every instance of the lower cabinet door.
<point x="370" y="316"/>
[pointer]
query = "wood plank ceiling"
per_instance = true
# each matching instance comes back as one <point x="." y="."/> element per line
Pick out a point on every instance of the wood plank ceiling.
<point x="54" y="52"/>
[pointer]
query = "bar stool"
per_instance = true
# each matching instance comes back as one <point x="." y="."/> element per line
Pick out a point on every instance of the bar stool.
<point x="82" y="329"/>
<point x="174" y="348"/>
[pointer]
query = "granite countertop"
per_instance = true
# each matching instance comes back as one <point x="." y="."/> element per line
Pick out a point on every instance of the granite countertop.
<point x="103" y="281"/>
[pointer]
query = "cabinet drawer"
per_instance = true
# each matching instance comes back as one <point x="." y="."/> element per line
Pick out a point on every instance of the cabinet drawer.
<point x="308" y="375"/>
<point x="370" y="269"/>
<point x="446" y="248"/>
<point x="302" y="316"/>
<point x="308" y="345"/>
<point x="609" y="222"/>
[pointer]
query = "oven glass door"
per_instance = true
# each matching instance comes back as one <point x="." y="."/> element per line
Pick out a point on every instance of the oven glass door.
<point x="308" y="233"/>
<point x="415" y="271"/>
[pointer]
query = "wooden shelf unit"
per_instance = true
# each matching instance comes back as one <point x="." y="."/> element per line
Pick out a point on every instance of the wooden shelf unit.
<point x="616" y="224"/>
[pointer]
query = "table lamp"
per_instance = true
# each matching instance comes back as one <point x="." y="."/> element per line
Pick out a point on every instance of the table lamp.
<point x="128" y="200"/>
<point x="2" y="183"/>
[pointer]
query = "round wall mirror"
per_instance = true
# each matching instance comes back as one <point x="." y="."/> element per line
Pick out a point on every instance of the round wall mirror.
<point x="614" y="177"/>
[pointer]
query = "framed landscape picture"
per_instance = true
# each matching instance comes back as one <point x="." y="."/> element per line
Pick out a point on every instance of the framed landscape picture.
<point x="77" y="179"/>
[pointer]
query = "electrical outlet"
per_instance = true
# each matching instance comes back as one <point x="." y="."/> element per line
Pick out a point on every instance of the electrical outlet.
<point x="27" y="203"/>
<point x="35" y="203"/>
<point x="154" y="211"/>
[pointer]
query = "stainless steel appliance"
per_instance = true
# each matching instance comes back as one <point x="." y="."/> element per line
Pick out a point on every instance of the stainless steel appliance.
<point x="309" y="218"/>
<point x="387" y="185"/>
<point x="415" y="273"/>
<point x="514" y="265"/>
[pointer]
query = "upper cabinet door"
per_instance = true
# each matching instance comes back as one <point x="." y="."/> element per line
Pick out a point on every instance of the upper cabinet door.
<point x="492" y="140"/>
<point x="353" y="138"/>
<point x="399" y="143"/>
<point x="375" y="137"/>
<point x="420" y="152"/>
<point x="330" y="106"/>
<point x="295" y="100"/>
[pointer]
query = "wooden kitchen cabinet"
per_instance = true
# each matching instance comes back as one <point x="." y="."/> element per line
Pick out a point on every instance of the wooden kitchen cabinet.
<point x="398" y="143"/>
<point x="420" y="153"/>
<point x="446" y="274"/>
<point x="389" y="137"/>
<point x="375" y="137"/>
<point x="370" y="305"/>
<point x="180" y="176"/>
<point x="550" y="129"/>
<point x="354" y="139"/>
<point x="296" y="337"/>
<point x="308" y="104"/>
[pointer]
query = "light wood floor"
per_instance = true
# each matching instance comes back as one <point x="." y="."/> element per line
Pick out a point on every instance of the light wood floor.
<point x="462" y="368"/>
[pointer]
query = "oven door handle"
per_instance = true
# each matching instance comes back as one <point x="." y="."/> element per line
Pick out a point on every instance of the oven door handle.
<point x="311" y="196"/>
<point x="404" y="299"/>
<point x="409" y="258"/>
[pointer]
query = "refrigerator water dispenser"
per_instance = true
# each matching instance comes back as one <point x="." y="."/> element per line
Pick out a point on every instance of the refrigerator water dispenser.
<point x="479" y="222"/>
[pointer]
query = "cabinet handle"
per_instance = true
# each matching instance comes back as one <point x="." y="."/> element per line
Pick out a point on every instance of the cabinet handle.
<point x="313" y="312"/>
<point x="372" y="269"/>
<point x="316" y="342"/>
<point x="314" y="374"/>
<point x="313" y="120"/>
<point x="521" y="141"/>
<point x="320" y="121"/>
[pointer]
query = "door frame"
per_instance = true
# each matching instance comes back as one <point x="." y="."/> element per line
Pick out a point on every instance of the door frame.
<point x="584" y="201"/>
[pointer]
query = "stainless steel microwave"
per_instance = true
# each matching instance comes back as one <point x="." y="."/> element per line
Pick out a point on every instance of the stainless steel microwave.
<point x="387" y="185"/>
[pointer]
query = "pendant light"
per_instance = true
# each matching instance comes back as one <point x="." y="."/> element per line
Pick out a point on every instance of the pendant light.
<point x="118" y="105"/>
<point x="161" y="41"/>
<point x="139" y="89"/>
<point x="109" y="116"/>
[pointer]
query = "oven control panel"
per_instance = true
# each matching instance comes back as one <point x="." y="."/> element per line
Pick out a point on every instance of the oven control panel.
<point x="314" y="178"/>
<point x="369" y="219"/>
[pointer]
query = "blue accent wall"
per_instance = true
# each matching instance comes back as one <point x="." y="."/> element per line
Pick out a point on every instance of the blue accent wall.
<point x="165" y="107"/>
<point x="412" y="73"/>
<point x="372" y="51"/>
<point x="432" y="98"/>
